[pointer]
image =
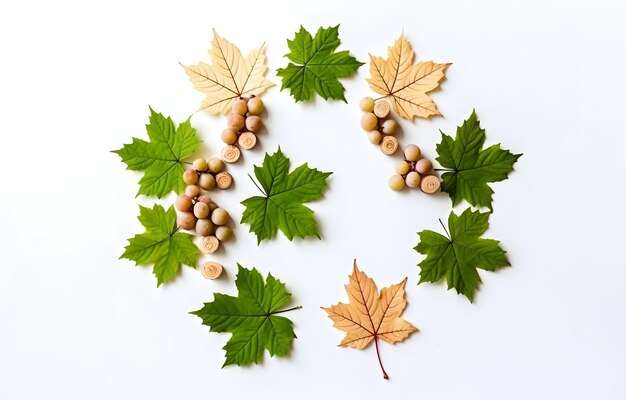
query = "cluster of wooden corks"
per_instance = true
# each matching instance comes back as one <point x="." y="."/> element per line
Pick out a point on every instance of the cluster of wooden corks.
<point x="208" y="174"/>
<point x="198" y="212"/>
<point x="379" y="125"/>
<point x="243" y="122"/>
<point x="415" y="172"/>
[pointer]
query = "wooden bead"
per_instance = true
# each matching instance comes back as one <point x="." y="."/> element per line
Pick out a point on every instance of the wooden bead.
<point x="389" y="145"/>
<point x="209" y="244"/>
<point x="412" y="153"/>
<point x="229" y="136"/>
<point x="223" y="233"/>
<point x="247" y="140"/>
<point x="369" y="122"/>
<point x="205" y="227"/>
<point x="375" y="137"/>
<point x="382" y="109"/>
<point x="224" y="180"/>
<point x="430" y="184"/>
<point x="389" y="127"/>
<point x="231" y="154"/>
<point x="423" y="166"/>
<point x="211" y="270"/>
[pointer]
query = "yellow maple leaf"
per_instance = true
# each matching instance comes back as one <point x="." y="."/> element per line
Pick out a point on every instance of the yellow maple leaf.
<point x="371" y="315"/>
<point x="405" y="83"/>
<point x="230" y="75"/>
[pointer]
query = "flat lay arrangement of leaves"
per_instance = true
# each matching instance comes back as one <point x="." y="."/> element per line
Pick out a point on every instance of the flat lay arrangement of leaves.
<point x="233" y="86"/>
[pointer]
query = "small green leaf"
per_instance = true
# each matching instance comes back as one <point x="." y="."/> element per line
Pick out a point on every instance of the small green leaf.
<point x="469" y="167"/>
<point x="161" y="158"/>
<point x="458" y="256"/>
<point x="161" y="244"/>
<point x="315" y="66"/>
<point x="251" y="318"/>
<point x="281" y="206"/>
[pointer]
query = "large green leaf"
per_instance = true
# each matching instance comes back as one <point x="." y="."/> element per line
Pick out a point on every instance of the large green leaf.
<point x="161" y="244"/>
<point x="251" y="318"/>
<point x="281" y="206"/>
<point x="315" y="66"/>
<point x="469" y="167"/>
<point x="457" y="256"/>
<point x="161" y="159"/>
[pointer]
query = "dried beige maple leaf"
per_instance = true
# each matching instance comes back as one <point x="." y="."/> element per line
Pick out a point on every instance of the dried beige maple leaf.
<point x="405" y="83"/>
<point x="371" y="315"/>
<point x="230" y="75"/>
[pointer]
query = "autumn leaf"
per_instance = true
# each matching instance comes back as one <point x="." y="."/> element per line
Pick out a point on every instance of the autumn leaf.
<point x="315" y="66"/>
<point x="161" y="159"/>
<point x="252" y="318"/>
<point x="161" y="244"/>
<point x="230" y="75"/>
<point x="371" y="315"/>
<point x="457" y="255"/>
<point x="468" y="168"/>
<point x="405" y="83"/>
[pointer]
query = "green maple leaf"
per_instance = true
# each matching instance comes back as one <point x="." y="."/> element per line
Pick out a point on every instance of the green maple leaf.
<point x="161" y="244"/>
<point x="469" y="167"/>
<point x="251" y="318"/>
<point x="315" y="66"/>
<point x="458" y="255"/>
<point x="281" y="206"/>
<point x="161" y="159"/>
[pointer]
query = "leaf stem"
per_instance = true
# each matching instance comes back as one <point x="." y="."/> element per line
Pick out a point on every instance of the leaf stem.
<point x="257" y="186"/>
<point x="385" y="376"/>
<point x="443" y="169"/>
<point x="444" y="228"/>
<point x="289" y="309"/>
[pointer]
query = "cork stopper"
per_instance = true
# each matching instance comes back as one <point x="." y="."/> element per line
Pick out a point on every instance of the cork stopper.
<point x="230" y="153"/>
<point x="224" y="180"/>
<point x="430" y="184"/>
<point x="389" y="145"/>
<point x="211" y="270"/>
<point x="382" y="109"/>
<point x="209" y="244"/>
<point x="247" y="140"/>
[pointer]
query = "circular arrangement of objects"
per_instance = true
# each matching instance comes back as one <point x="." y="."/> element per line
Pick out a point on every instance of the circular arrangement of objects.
<point x="242" y="124"/>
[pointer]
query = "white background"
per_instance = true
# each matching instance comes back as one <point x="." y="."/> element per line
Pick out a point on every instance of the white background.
<point x="546" y="78"/>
